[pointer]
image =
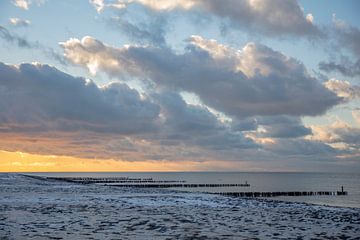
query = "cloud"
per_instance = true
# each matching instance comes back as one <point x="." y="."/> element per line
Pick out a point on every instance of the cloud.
<point x="343" y="89"/>
<point x="255" y="80"/>
<point x="302" y="147"/>
<point x="282" y="127"/>
<point x="19" y="22"/>
<point x="150" y="30"/>
<point x="350" y="136"/>
<point x="322" y="133"/>
<point x="15" y="39"/>
<point x="345" y="66"/>
<point x="22" y="42"/>
<point x="273" y="18"/>
<point x="25" y="4"/>
<point x="41" y="98"/>
<point x="247" y="124"/>
<point x="195" y="125"/>
<point x="356" y="115"/>
<point x="100" y="5"/>
<point x="310" y="18"/>
<point x="46" y="111"/>
<point x="348" y="38"/>
<point x="340" y="135"/>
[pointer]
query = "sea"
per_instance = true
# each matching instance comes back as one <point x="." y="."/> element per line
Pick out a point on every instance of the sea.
<point x="259" y="182"/>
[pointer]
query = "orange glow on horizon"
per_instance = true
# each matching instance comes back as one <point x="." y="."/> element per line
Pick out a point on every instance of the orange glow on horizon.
<point x="26" y="162"/>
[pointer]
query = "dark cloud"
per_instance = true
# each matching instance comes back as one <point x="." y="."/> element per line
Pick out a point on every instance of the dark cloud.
<point x="182" y="117"/>
<point x="347" y="38"/>
<point x="195" y="125"/>
<point x="301" y="147"/>
<point x="46" y="111"/>
<point x="40" y="97"/>
<point x="283" y="127"/>
<point x="254" y="81"/>
<point x="13" y="38"/>
<point x="149" y="28"/>
<point x="247" y="124"/>
<point x="349" y="136"/>
<point x="141" y="33"/>
<point x="345" y="67"/>
<point x="22" y="42"/>
<point x="272" y="18"/>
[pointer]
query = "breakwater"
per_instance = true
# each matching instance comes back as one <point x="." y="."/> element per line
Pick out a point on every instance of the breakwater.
<point x="139" y="182"/>
<point x="278" y="194"/>
<point x="127" y="182"/>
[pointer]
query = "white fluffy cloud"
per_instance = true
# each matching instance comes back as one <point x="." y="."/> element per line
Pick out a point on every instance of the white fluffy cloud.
<point x="25" y="4"/>
<point x="255" y="80"/>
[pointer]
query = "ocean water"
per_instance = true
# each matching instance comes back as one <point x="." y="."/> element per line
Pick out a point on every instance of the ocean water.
<point x="259" y="182"/>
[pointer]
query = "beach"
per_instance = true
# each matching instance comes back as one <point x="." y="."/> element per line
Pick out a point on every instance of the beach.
<point x="36" y="209"/>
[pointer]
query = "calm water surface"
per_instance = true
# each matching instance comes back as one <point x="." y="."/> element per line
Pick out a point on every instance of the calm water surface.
<point x="259" y="182"/>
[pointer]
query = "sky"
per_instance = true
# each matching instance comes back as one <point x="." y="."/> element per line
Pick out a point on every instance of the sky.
<point x="182" y="85"/>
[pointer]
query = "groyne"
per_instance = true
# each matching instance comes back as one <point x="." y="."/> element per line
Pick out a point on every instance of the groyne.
<point x="277" y="194"/>
<point x="151" y="183"/>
